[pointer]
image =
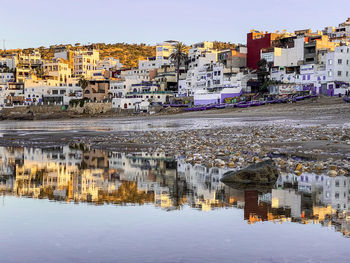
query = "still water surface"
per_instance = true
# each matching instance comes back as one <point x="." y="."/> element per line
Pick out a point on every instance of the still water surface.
<point x="81" y="205"/>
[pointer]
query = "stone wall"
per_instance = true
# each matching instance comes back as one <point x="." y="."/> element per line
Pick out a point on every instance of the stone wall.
<point x="92" y="108"/>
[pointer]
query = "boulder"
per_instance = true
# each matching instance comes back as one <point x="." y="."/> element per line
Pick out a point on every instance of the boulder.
<point x="264" y="174"/>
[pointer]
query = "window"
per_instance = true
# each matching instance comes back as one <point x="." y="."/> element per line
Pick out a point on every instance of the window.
<point x="336" y="195"/>
<point x="340" y="61"/>
<point x="330" y="62"/>
<point x="339" y="73"/>
<point x="330" y="73"/>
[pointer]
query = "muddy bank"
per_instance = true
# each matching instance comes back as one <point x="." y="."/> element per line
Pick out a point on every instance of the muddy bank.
<point x="323" y="108"/>
<point x="295" y="149"/>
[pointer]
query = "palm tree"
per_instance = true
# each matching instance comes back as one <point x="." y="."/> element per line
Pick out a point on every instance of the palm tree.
<point x="83" y="83"/>
<point x="178" y="57"/>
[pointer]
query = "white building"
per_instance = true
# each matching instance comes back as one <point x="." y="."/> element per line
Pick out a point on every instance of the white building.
<point x="9" y="61"/>
<point x="136" y="74"/>
<point x="131" y="100"/>
<point x="119" y="88"/>
<point x="58" y="70"/>
<point x="342" y="32"/>
<point x="109" y="64"/>
<point x="6" y="77"/>
<point x="10" y="92"/>
<point x="85" y="61"/>
<point x="49" y="92"/>
<point x="330" y="77"/>
<point x="201" y="56"/>
<point x="163" y="52"/>
<point x="286" y="57"/>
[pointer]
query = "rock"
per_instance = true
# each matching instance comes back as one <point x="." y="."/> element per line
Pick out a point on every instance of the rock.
<point x="332" y="173"/>
<point x="299" y="167"/>
<point x="263" y="173"/>
<point x="333" y="167"/>
<point x="319" y="166"/>
<point x="231" y="164"/>
<point x="345" y="138"/>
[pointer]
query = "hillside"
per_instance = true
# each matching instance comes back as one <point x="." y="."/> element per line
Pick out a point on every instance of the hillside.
<point x="128" y="54"/>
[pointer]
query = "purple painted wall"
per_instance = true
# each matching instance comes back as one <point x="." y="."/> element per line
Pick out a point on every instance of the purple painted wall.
<point x="313" y="90"/>
<point x="330" y="92"/>
<point x="229" y="95"/>
<point x="205" y="102"/>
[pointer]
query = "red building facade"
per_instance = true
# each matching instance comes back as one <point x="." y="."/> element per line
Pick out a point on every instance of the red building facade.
<point x="256" y="41"/>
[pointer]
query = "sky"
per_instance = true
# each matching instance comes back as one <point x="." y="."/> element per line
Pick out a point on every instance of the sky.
<point x="34" y="23"/>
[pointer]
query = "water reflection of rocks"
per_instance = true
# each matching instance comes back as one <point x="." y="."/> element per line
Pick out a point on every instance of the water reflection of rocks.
<point x="99" y="177"/>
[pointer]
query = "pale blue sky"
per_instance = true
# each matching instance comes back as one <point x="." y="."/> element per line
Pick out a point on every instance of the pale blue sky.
<point x="33" y="23"/>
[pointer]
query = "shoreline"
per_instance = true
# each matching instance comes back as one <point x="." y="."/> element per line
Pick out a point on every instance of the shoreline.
<point x="321" y="107"/>
<point x="304" y="137"/>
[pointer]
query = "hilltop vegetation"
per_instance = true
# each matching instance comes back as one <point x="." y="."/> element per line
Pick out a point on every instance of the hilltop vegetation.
<point x="128" y="54"/>
<point x="223" y="45"/>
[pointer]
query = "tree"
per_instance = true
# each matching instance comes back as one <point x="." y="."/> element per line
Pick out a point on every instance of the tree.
<point x="83" y="83"/>
<point x="263" y="74"/>
<point x="178" y="57"/>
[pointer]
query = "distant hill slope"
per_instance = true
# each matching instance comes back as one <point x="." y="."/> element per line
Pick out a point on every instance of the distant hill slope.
<point x="128" y="54"/>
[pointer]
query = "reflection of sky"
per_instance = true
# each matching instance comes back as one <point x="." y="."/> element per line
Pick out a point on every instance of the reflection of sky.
<point x="44" y="231"/>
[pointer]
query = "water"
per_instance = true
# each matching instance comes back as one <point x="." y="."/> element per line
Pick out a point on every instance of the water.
<point x="80" y="205"/>
<point x="149" y="124"/>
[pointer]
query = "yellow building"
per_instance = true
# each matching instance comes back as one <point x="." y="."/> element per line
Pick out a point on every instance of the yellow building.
<point x="57" y="69"/>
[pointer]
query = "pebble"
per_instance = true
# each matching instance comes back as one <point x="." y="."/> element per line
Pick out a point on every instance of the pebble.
<point x="240" y="146"/>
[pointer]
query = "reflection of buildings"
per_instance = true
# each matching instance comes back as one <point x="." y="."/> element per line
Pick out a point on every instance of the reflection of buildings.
<point x="309" y="198"/>
<point x="203" y="184"/>
<point x="80" y="175"/>
<point x="288" y="198"/>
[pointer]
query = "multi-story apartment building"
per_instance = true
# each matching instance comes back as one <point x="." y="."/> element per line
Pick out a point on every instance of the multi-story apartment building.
<point x="256" y="41"/>
<point x="139" y="74"/>
<point x="57" y="69"/>
<point x="162" y="58"/>
<point x="6" y="77"/>
<point x="340" y="33"/>
<point x="109" y="64"/>
<point x="85" y="62"/>
<point x="200" y="56"/>
<point x="28" y="64"/>
<point x="11" y="94"/>
<point x="330" y="76"/>
<point x="119" y="88"/>
<point x="233" y="58"/>
<point x="8" y="61"/>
